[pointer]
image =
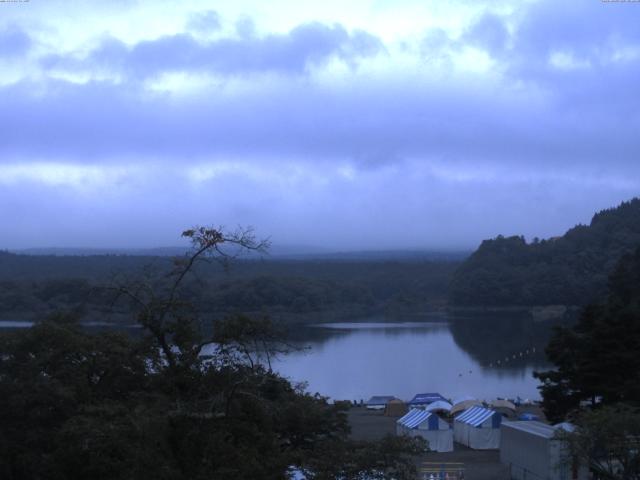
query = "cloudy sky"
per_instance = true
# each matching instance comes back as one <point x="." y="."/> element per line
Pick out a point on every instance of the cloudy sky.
<point x="365" y="124"/>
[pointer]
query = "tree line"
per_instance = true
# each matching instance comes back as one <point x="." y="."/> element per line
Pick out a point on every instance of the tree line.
<point x="595" y="381"/>
<point x="567" y="270"/>
<point x="36" y="286"/>
<point x="75" y="405"/>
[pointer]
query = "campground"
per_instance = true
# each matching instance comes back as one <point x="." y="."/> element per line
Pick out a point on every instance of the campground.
<point x="478" y="464"/>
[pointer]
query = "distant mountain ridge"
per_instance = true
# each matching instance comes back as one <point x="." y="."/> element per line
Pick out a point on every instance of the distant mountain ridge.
<point x="88" y="251"/>
<point x="281" y="252"/>
<point x="567" y="270"/>
<point x="290" y="290"/>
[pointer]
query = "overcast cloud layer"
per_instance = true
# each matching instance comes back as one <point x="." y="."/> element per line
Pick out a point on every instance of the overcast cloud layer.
<point x="375" y="125"/>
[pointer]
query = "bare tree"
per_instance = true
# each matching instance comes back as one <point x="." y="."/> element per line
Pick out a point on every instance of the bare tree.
<point x="160" y="308"/>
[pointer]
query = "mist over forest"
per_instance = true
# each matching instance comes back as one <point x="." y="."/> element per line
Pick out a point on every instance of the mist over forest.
<point x="569" y="271"/>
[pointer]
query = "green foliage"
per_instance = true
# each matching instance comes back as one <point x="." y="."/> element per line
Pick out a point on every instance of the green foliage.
<point x="56" y="380"/>
<point x="608" y="440"/>
<point x="33" y="287"/>
<point x="597" y="360"/>
<point x="567" y="270"/>
<point x="80" y="406"/>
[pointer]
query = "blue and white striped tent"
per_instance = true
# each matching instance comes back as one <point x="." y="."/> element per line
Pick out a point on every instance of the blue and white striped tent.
<point x="420" y="423"/>
<point x="478" y="428"/>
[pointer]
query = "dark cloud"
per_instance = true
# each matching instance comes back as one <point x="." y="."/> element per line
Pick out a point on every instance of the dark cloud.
<point x="489" y="33"/>
<point x="589" y="30"/>
<point x="292" y="53"/>
<point x="444" y="157"/>
<point x="367" y="122"/>
<point x="245" y="27"/>
<point x="583" y="55"/>
<point x="386" y="208"/>
<point x="596" y="41"/>
<point x="204" y="22"/>
<point x="14" y="42"/>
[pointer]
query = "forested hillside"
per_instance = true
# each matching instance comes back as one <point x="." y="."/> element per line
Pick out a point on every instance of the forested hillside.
<point x="33" y="286"/>
<point x="567" y="270"/>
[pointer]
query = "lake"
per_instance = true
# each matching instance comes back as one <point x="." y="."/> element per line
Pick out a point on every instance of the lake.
<point x="357" y="360"/>
<point x="486" y="356"/>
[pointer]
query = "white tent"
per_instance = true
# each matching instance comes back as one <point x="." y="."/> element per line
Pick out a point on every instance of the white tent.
<point x="439" y="406"/>
<point x="532" y="450"/>
<point x="420" y="423"/>
<point x="478" y="428"/>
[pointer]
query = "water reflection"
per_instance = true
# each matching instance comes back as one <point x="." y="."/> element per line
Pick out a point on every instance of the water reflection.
<point x="503" y="342"/>
<point x="13" y="324"/>
<point x="485" y="356"/>
<point x="357" y="360"/>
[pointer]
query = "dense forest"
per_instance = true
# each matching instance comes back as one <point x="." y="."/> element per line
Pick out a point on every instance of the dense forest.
<point x="597" y="359"/>
<point x="595" y="379"/>
<point x="567" y="270"/>
<point x="76" y="405"/>
<point x="505" y="271"/>
<point x="291" y="290"/>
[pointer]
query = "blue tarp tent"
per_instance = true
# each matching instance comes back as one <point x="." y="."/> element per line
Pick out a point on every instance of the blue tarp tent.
<point x="420" y="423"/>
<point x="425" y="399"/>
<point x="478" y="428"/>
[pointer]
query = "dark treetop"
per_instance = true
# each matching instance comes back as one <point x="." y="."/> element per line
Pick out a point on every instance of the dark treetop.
<point x="567" y="270"/>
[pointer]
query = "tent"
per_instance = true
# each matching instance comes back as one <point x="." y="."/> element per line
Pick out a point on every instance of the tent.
<point x="500" y="403"/>
<point x="422" y="399"/>
<point x="395" y="408"/>
<point x="463" y="398"/>
<point x="478" y="428"/>
<point x="439" y="406"/>
<point x="460" y="406"/>
<point x="505" y="407"/>
<point x="379" y="402"/>
<point x="420" y="423"/>
<point x="532" y="450"/>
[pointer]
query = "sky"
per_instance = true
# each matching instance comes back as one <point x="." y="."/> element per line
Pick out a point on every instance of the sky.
<point x="367" y="124"/>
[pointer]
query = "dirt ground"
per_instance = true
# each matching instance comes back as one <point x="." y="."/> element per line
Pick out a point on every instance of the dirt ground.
<point x="477" y="464"/>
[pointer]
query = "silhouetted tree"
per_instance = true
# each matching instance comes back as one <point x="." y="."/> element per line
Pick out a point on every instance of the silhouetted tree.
<point x="74" y="405"/>
<point x="597" y="360"/>
<point x="608" y="441"/>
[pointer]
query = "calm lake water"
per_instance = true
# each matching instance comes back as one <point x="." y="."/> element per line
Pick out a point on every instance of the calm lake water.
<point x="357" y="360"/>
<point x="483" y="356"/>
